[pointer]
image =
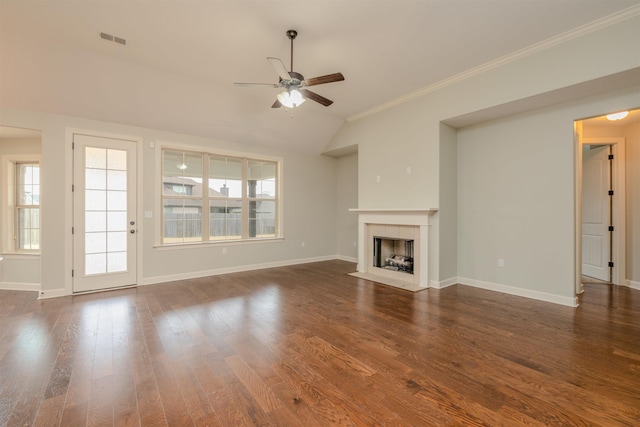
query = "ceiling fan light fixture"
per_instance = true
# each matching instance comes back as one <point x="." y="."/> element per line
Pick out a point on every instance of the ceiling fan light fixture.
<point x="290" y="99"/>
<point x="617" y="116"/>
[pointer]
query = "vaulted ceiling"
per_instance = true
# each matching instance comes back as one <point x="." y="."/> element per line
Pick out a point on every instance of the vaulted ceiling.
<point x="181" y="58"/>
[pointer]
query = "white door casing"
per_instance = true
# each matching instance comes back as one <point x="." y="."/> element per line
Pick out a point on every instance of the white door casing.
<point x="104" y="213"/>
<point x="596" y="218"/>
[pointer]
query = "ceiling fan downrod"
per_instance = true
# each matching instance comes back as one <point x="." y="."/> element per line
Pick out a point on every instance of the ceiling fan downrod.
<point x="292" y="34"/>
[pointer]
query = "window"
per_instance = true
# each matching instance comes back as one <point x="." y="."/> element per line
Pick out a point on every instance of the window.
<point x="209" y="197"/>
<point x="27" y="207"/>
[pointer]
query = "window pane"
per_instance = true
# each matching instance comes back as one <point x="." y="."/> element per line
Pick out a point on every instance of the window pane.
<point x="265" y="218"/>
<point x="182" y="163"/>
<point x="225" y="177"/>
<point x="182" y="220"/>
<point x="182" y="173"/>
<point x="28" y="233"/>
<point x="27" y="184"/>
<point x="225" y="219"/>
<point x="261" y="179"/>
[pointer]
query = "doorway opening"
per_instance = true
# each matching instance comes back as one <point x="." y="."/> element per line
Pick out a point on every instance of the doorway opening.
<point x="601" y="199"/>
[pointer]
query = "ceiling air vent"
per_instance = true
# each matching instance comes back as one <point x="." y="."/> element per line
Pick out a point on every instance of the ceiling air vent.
<point x="114" y="39"/>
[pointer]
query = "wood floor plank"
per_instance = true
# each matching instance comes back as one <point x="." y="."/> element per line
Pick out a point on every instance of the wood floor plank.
<point x="309" y="345"/>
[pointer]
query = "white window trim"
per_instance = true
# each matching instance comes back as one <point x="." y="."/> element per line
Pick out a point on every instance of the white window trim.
<point x="159" y="146"/>
<point x="8" y="200"/>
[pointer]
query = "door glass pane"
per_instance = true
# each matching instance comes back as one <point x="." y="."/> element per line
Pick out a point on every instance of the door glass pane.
<point x="95" y="263"/>
<point x="95" y="243"/>
<point x="95" y="158"/>
<point x="117" y="180"/>
<point x="117" y="241"/>
<point x="117" y="160"/>
<point x="117" y="200"/>
<point x="117" y="221"/>
<point x="105" y="210"/>
<point x="95" y="200"/>
<point x="95" y="221"/>
<point x="95" y="179"/>
<point x="116" y="262"/>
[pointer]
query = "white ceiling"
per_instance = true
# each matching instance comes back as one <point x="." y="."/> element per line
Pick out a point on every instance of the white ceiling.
<point x="193" y="51"/>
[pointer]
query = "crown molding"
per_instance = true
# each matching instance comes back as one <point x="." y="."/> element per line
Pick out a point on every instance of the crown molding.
<point x="580" y="31"/>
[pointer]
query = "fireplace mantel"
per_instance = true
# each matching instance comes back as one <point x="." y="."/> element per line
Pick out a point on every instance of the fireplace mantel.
<point x="420" y="218"/>
<point x="428" y="211"/>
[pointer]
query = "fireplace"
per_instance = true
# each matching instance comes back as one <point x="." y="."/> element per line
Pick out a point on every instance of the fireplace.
<point x="393" y="247"/>
<point x="393" y="254"/>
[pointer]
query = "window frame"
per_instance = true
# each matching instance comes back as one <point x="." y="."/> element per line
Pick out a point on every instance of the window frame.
<point x="207" y="155"/>
<point x="10" y="206"/>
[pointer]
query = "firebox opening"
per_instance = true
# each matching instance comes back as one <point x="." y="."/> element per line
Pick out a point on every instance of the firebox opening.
<point x="393" y="254"/>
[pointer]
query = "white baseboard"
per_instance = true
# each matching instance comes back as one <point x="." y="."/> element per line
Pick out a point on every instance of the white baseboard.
<point x="19" y="286"/>
<point x="218" y="271"/>
<point x="633" y="284"/>
<point x="347" y="258"/>
<point x="443" y="283"/>
<point x="527" y="293"/>
<point x="53" y="293"/>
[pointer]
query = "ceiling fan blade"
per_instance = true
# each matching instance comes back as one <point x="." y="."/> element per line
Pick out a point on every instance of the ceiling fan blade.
<point x="329" y="78"/>
<point x="276" y="104"/>
<point x="315" y="97"/>
<point x="279" y="67"/>
<point x="257" y="84"/>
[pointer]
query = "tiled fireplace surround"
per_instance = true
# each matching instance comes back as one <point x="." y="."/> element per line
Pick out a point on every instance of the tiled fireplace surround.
<point x="409" y="224"/>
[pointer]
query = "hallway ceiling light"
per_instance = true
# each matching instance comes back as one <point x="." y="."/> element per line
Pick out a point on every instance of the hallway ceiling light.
<point x="617" y="116"/>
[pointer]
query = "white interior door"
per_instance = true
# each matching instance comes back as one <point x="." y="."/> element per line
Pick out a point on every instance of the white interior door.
<point x="104" y="207"/>
<point x="596" y="213"/>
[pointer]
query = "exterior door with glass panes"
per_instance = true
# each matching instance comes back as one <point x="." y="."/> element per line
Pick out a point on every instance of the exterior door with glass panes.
<point x="104" y="199"/>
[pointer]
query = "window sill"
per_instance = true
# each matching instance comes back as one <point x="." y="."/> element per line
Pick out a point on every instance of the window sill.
<point x="172" y="246"/>
<point x="20" y="255"/>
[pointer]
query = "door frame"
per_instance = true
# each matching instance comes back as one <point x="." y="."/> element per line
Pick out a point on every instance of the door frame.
<point x="68" y="202"/>
<point x="618" y="255"/>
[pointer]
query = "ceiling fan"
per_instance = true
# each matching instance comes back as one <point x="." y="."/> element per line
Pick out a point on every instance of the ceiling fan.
<point x="294" y="84"/>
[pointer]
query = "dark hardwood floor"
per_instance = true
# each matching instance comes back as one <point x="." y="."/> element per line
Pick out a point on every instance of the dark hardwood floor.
<point x="309" y="345"/>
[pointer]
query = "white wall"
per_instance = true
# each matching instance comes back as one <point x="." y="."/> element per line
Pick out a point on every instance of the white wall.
<point x="447" y="216"/>
<point x="17" y="271"/>
<point x="347" y="198"/>
<point x="631" y="133"/>
<point x="309" y="206"/>
<point x="500" y="210"/>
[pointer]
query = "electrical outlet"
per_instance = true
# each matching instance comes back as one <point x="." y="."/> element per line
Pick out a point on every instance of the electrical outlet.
<point x="500" y="262"/>
<point x="302" y="244"/>
<point x="224" y="251"/>
<point x="408" y="170"/>
<point x="378" y="179"/>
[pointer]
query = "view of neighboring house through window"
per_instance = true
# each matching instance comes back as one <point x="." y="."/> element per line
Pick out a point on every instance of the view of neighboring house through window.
<point x="27" y="231"/>
<point x="241" y="200"/>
